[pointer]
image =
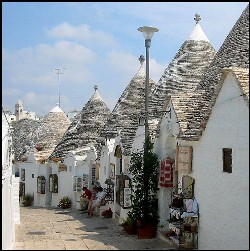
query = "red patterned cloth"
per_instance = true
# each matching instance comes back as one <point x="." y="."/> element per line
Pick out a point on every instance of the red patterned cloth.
<point x="166" y="173"/>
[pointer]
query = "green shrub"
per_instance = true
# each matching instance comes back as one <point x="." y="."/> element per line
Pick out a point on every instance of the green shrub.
<point x="28" y="197"/>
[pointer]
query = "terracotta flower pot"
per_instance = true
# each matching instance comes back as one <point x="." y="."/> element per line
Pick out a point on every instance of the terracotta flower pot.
<point x="147" y="231"/>
<point x="130" y="229"/>
<point x="26" y="203"/>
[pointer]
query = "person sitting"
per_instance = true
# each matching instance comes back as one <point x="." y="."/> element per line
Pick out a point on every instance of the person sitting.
<point x="96" y="201"/>
<point x="85" y="198"/>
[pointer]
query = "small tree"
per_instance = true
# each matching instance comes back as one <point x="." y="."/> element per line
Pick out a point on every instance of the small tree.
<point x="144" y="167"/>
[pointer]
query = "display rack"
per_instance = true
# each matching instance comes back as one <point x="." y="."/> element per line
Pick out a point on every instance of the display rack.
<point x="184" y="217"/>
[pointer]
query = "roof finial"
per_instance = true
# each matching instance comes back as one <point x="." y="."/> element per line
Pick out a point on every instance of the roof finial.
<point x="141" y="59"/>
<point x="95" y="87"/>
<point x="197" y="18"/>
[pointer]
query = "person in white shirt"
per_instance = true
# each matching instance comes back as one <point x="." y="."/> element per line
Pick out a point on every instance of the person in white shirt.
<point x="96" y="201"/>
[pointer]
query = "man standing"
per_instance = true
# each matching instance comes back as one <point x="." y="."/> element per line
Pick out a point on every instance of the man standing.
<point x="84" y="198"/>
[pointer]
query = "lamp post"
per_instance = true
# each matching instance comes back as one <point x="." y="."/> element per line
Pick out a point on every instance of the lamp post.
<point x="148" y="33"/>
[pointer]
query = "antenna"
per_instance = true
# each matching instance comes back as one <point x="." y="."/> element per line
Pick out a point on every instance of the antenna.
<point x="58" y="73"/>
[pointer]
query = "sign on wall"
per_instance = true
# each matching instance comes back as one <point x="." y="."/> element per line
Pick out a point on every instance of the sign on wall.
<point x="62" y="167"/>
<point x="112" y="171"/>
<point x="184" y="159"/>
<point x="127" y="197"/>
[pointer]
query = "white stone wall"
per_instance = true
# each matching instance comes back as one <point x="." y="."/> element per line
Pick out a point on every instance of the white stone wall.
<point x="8" y="233"/>
<point x="165" y="146"/>
<point x="10" y="191"/>
<point x="15" y="199"/>
<point x="224" y="197"/>
<point x="63" y="185"/>
<point x="104" y="164"/>
<point x="41" y="198"/>
<point x="30" y="183"/>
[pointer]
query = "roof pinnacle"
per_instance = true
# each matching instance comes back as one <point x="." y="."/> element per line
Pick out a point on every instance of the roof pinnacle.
<point x="141" y="59"/>
<point x="197" y="18"/>
<point x="95" y="87"/>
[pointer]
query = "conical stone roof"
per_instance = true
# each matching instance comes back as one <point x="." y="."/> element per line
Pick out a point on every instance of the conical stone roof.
<point x="193" y="109"/>
<point x="125" y="115"/>
<point x="184" y="72"/>
<point x="24" y="137"/>
<point x="51" y="129"/>
<point x="234" y="54"/>
<point x="85" y="128"/>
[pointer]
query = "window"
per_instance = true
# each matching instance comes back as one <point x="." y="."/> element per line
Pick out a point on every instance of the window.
<point x="227" y="160"/>
<point x="41" y="184"/>
<point x="53" y="183"/>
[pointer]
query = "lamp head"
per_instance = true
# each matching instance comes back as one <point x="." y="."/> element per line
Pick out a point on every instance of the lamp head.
<point x="148" y="31"/>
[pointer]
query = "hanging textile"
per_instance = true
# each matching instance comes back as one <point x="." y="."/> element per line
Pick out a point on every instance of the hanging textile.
<point x="187" y="187"/>
<point x="166" y="173"/>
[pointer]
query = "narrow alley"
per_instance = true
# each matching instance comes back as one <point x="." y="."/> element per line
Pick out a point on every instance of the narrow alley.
<point x="68" y="229"/>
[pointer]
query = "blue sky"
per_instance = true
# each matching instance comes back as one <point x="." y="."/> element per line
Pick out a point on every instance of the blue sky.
<point x="97" y="43"/>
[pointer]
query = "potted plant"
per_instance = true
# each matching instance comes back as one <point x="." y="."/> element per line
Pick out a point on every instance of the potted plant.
<point x="129" y="224"/>
<point x="27" y="199"/>
<point x="65" y="202"/>
<point x="144" y="167"/>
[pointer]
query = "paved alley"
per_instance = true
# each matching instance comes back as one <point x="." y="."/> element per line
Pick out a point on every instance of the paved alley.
<point x="67" y="229"/>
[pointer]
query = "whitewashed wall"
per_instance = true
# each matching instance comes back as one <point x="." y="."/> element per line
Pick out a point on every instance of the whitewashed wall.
<point x="30" y="183"/>
<point x="64" y="185"/>
<point x="15" y="199"/>
<point x="65" y="180"/>
<point x="10" y="190"/>
<point x="8" y="226"/>
<point x="105" y="160"/>
<point x="224" y="197"/>
<point x="165" y="146"/>
<point x="40" y="199"/>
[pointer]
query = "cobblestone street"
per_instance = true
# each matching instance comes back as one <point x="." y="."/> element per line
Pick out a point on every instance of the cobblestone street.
<point x="67" y="229"/>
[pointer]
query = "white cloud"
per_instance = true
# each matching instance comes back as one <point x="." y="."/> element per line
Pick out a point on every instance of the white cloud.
<point x="123" y="63"/>
<point x="42" y="104"/>
<point x="30" y="67"/>
<point x="82" y="32"/>
<point x="9" y="93"/>
<point x="128" y="65"/>
<point x="156" y="70"/>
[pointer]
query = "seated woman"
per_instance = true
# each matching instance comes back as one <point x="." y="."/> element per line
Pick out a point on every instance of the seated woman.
<point x="96" y="201"/>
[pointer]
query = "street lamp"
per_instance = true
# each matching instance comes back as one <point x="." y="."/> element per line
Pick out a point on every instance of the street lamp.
<point x="148" y="33"/>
